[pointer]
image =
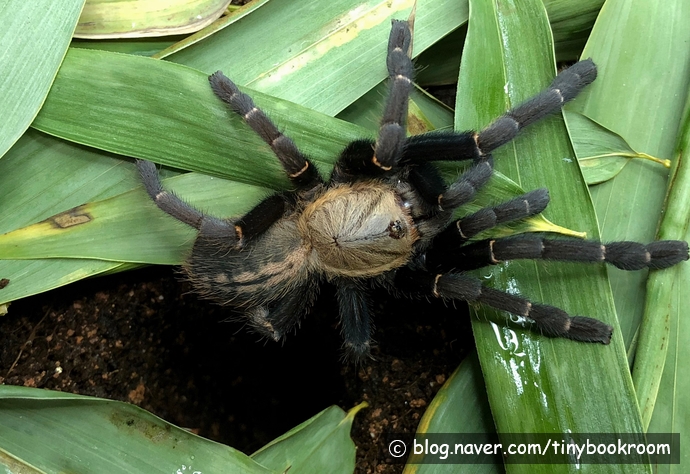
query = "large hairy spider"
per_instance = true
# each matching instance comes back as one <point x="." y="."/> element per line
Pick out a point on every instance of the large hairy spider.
<point x="384" y="219"/>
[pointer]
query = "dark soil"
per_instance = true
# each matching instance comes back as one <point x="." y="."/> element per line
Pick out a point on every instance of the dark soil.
<point x="141" y="337"/>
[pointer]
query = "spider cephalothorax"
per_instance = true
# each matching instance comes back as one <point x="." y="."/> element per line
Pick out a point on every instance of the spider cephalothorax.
<point x="384" y="219"/>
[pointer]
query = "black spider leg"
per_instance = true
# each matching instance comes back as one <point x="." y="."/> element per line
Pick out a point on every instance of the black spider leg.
<point x="366" y="158"/>
<point x="363" y="159"/>
<point x="355" y="319"/>
<point x="565" y="86"/>
<point x="277" y="320"/>
<point x="392" y="132"/>
<point x="470" y="145"/>
<point x="430" y="185"/>
<point x="297" y="166"/>
<point x="624" y="255"/>
<point x="521" y="207"/>
<point x="550" y="321"/>
<point x="224" y="233"/>
<point x="168" y="202"/>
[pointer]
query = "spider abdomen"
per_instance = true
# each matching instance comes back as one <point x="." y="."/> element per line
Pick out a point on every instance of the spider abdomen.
<point x="264" y="271"/>
<point x="358" y="230"/>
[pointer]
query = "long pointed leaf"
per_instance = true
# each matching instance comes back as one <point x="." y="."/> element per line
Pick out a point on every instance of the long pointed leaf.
<point x="632" y="41"/>
<point x="328" y="57"/>
<point x="661" y="381"/>
<point x="320" y="444"/>
<point x="537" y="384"/>
<point x="84" y="435"/>
<point x="167" y="113"/>
<point x="33" y="40"/>
<point x="134" y="18"/>
<point x="41" y="176"/>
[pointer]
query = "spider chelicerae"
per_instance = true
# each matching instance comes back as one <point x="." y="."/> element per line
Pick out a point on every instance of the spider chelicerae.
<point x="384" y="218"/>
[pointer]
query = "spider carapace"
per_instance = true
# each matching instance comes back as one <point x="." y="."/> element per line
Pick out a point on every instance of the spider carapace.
<point x="384" y="218"/>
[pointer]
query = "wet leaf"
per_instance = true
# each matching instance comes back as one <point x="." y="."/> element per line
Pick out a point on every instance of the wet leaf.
<point x="508" y="57"/>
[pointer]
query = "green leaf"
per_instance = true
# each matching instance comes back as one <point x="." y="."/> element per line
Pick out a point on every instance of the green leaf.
<point x="33" y="40"/>
<point x="137" y="18"/>
<point x="641" y="49"/>
<point x="328" y="57"/>
<point x="92" y="175"/>
<point x="168" y="114"/>
<point x="570" y="25"/>
<point x="662" y="384"/>
<point x="320" y="444"/>
<point x="41" y="176"/>
<point x="536" y="384"/>
<point x="128" y="439"/>
<point x="30" y="277"/>
<point x="138" y="46"/>
<point x="129" y="227"/>
<point x="602" y="154"/>
<point x="133" y="440"/>
<point x="448" y="413"/>
<point x="235" y="15"/>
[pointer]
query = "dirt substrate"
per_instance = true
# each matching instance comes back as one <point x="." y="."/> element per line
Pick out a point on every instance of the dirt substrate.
<point x="141" y="337"/>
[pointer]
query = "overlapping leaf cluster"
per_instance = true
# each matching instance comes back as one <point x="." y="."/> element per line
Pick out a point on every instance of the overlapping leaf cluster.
<point x="317" y="69"/>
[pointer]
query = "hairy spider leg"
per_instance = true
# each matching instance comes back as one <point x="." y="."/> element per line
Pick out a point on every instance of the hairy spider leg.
<point x="366" y="158"/>
<point x="524" y="206"/>
<point x="297" y="166"/>
<point x="466" y="145"/>
<point x="222" y="233"/>
<point x="466" y="186"/>
<point x="261" y="217"/>
<point x="624" y="255"/>
<point x="551" y="321"/>
<point x="392" y="132"/>
<point x="470" y="145"/>
<point x="278" y="320"/>
<point x="565" y="87"/>
<point x="168" y="202"/>
<point x="355" y="319"/>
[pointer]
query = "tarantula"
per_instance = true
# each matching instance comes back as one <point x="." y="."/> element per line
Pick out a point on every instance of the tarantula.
<point x="384" y="218"/>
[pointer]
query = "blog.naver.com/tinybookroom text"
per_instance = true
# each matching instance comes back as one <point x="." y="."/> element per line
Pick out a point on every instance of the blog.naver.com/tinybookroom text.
<point x="534" y="448"/>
